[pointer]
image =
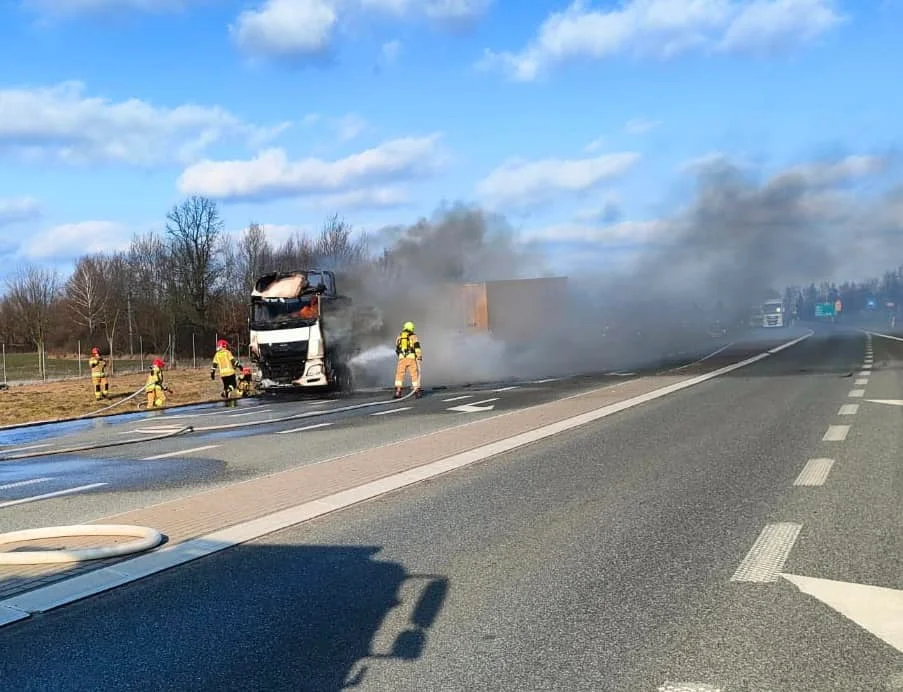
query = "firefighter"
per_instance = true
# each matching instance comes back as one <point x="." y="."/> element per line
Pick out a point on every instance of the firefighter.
<point x="227" y="364"/>
<point x="99" y="375"/>
<point x="244" y="382"/>
<point x="407" y="347"/>
<point x="155" y="387"/>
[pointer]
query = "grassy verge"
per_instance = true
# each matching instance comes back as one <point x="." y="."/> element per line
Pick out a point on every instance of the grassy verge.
<point x="68" y="398"/>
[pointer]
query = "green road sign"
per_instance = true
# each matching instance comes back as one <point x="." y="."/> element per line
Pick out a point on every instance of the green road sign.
<point x="824" y="309"/>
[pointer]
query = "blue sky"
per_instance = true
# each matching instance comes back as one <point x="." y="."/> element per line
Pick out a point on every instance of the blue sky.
<point x="580" y="121"/>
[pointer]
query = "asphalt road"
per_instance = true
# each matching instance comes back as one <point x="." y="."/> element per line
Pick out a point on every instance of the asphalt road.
<point x="245" y="440"/>
<point x="606" y="558"/>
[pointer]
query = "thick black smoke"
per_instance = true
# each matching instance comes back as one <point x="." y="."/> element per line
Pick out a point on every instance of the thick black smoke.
<point x="738" y="242"/>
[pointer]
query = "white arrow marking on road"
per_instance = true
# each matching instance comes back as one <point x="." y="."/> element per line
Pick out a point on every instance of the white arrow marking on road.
<point x="475" y="407"/>
<point x="890" y="402"/>
<point x="875" y="609"/>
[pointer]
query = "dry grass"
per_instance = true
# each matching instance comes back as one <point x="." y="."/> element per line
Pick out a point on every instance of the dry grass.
<point x="65" y="399"/>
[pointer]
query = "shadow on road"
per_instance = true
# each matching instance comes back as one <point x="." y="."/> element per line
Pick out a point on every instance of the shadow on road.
<point x="255" y="617"/>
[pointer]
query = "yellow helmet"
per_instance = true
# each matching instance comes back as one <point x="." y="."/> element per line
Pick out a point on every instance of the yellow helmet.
<point x="409" y="326"/>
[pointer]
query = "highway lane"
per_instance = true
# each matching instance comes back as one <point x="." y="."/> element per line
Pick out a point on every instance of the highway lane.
<point x="66" y="489"/>
<point x="597" y="559"/>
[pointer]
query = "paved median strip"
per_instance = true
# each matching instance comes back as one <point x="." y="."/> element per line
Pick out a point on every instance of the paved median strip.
<point x="815" y="472"/>
<point x="367" y="474"/>
<point x="764" y="561"/>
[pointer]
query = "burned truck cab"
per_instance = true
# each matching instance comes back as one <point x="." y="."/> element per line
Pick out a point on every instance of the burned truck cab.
<point x="300" y="330"/>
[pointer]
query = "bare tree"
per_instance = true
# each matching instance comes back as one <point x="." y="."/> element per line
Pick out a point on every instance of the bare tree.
<point x="32" y="293"/>
<point x="86" y="293"/>
<point x="254" y="254"/>
<point x="151" y="285"/>
<point x="194" y="228"/>
<point x="335" y="247"/>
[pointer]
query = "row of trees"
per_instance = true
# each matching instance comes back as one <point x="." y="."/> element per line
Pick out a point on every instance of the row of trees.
<point x="190" y="280"/>
<point x="872" y="294"/>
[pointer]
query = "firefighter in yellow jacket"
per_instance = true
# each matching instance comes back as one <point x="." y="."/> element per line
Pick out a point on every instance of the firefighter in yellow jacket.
<point x="228" y="365"/>
<point x="410" y="355"/>
<point x="155" y="387"/>
<point x="98" y="366"/>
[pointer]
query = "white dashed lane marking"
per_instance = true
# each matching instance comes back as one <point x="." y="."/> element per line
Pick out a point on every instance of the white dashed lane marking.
<point x="458" y="398"/>
<point x="306" y="427"/>
<point x="848" y="410"/>
<point x="394" y="410"/>
<point x="815" y="472"/>
<point x="862" y="381"/>
<point x="19" y="484"/>
<point x="181" y="452"/>
<point x="765" y="559"/>
<point x="836" y="433"/>
<point x="857" y="393"/>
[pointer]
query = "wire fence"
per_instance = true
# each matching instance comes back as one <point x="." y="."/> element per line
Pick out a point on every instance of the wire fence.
<point x="33" y="366"/>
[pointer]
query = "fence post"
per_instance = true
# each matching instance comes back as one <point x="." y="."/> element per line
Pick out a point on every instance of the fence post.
<point x="5" y="381"/>
<point x="194" y="355"/>
<point x="79" y="357"/>
<point x="141" y="348"/>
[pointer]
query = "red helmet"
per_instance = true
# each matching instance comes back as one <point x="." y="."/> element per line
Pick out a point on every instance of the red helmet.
<point x="158" y="363"/>
<point x="95" y="351"/>
<point x="222" y="343"/>
<point x="246" y="371"/>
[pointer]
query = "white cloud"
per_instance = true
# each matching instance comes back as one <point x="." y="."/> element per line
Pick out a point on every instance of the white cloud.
<point x="18" y="209"/>
<point x="664" y="29"/>
<point x="388" y="197"/>
<point x="287" y="28"/>
<point x="76" y="239"/>
<point x="640" y="126"/>
<point x="62" y="123"/>
<point x="351" y="126"/>
<point x="271" y="174"/>
<point x="390" y="52"/>
<point x="299" y="29"/>
<point x="595" y="145"/>
<point x="523" y="184"/>
<point x="82" y="7"/>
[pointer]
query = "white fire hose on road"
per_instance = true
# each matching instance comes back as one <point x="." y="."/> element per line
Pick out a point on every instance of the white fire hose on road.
<point x="146" y="538"/>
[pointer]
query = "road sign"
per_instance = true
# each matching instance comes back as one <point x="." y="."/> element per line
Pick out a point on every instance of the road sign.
<point x="824" y="310"/>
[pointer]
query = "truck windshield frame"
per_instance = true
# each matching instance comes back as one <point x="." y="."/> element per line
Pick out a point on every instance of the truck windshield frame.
<point x="280" y="313"/>
<point x="772" y="308"/>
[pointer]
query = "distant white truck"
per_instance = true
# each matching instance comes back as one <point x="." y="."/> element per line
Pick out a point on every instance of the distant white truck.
<point x="775" y="313"/>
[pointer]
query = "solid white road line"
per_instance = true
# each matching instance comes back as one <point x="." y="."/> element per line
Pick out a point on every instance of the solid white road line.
<point x="886" y="336"/>
<point x="765" y="559"/>
<point x="19" y="484"/>
<point x="180" y="453"/>
<point x="153" y="431"/>
<point x="857" y="393"/>
<point x="393" y="410"/>
<point x="306" y="427"/>
<point x="504" y="389"/>
<point x="458" y="398"/>
<point x="57" y="493"/>
<point x="67" y="591"/>
<point x="848" y="410"/>
<point x="862" y="381"/>
<point x="815" y="472"/>
<point x="836" y="433"/>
